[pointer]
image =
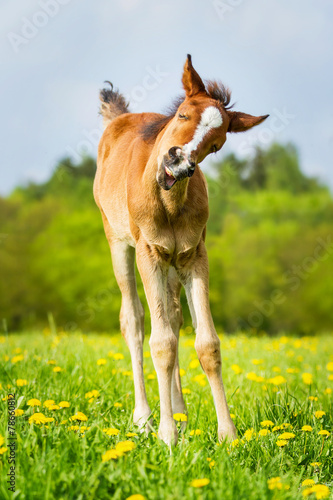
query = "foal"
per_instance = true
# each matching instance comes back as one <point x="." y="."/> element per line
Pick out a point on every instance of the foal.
<point x="153" y="199"/>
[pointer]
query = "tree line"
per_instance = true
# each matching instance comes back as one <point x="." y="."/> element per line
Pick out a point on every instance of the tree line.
<point x="269" y="239"/>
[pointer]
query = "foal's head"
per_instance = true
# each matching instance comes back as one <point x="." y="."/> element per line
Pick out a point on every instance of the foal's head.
<point x="199" y="127"/>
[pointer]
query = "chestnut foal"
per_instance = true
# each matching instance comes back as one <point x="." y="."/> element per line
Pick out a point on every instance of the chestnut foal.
<point x="153" y="199"/>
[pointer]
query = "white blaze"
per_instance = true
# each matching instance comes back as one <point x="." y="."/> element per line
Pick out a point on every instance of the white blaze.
<point x="210" y="118"/>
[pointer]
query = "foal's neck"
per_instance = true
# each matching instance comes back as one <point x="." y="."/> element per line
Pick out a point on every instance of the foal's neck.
<point x="174" y="200"/>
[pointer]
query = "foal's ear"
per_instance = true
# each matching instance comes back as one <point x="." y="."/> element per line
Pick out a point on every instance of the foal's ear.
<point x="240" y="122"/>
<point x="192" y="82"/>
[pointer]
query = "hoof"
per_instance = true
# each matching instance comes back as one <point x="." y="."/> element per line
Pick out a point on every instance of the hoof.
<point x="227" y="433"/>
<point x="168" y="433"/>
<point x="143" y="420"/>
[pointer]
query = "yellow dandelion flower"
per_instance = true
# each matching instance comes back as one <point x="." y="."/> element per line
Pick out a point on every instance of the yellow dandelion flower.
<point x="18" y="413"/>
<point x="252" y="376"/>
<point x="235" y="443"/>
<point x="278" y="380"/>
<point x="287" y="435"/>
<point x="329" y="366"/>
<point x="308" y="482"/>
<point x="34" y="402"/>
<point x="39" y="418"/>
<point x="233" y="416"/>
<point x="3" y="450"/>
<point x="180" y="417"/>
<point x="264" y="432"/>
<point x="18" y="358"/>
<point x="92" y="394"/>
<point x="131" y="434"/>
<point x="330" y="377"/>
<point x="281" y="442"/>
<point x="117" y="405"/>
<point x="319" y="414"/>
<point x="276" y="369"/>
<point x="186" y="391"/>
<point x="196" y="432"/>
<point x="266" y="423"/>
<point x="307" y="428"/>
<point x="292" y="370"/>
<point x="249" y="434"/>
<point x="125" y="446"/>
<point x="110" y="455"/>
<point x="63" y="422"/>
<point x="20" y="382"/>
<point x="2" y="440"/>
<point x="118" y="356"/>
<point x="146" y="354"/>
<point x="101" y="362"/>
<point x="64" y="404"/>
<point x="57" y="369"/>
<point x="307" y="378"/>
<point x="324" y="433"/>
<point x="320" y="490"/>
<point x="111" y="432"/>
<point x="48" y="403"/>
<point x="313" y="398"/>
<point x="136" y="497"/>
<point x="74" y="428"/>
<point x="199" y="483"/>
<point x="212" y="464"/>
<point x="194" y="364"/>
<point x="236" y="369"/>
<point x="182" y="372"/>
<point x="257" y="361"/>
<point x="274" y="483"/>
<point x="51" y="362"/>
<point x="151" y="376"/>
<point x="328" y="391"/>
<point x="53" y="407"/>
<point x="315" y="464"/>
<point x="79" y="416"/>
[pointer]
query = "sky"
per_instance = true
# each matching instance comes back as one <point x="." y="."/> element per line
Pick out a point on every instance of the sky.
<point x="275" y="56"/>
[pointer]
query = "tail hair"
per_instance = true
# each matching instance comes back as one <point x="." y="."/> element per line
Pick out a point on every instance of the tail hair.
<point x="113" y="104"/>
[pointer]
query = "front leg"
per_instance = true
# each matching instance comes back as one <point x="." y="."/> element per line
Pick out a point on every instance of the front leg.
<point x="153" y="269"/>
<point x="207" y="344"/>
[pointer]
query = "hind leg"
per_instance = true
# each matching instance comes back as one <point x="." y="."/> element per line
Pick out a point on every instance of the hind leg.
<point x="131" y="319"/>
<point x="176" y="320"/>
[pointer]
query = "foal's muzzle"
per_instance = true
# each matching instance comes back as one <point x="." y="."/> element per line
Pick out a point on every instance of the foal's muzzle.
<point x="176" y="167"/>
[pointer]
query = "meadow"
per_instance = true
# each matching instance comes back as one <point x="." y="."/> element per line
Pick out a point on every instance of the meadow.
<point x="76" y="439"/>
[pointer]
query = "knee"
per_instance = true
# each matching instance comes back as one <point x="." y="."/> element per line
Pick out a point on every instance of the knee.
<point x="163" y="350"/>
<point x="132" y="320"/>
<point x="208" y="350"/>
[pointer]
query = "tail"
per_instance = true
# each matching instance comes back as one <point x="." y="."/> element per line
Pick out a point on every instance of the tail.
<point x="113" y="104"/>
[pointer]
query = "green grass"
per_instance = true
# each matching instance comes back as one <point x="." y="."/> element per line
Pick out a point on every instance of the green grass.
<point x="53" y="461"/>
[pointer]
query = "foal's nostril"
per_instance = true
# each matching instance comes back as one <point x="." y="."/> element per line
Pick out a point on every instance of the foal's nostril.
<point x="174" y="152"/>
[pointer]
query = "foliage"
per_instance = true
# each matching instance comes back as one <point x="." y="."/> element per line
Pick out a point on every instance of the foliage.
<point x="269" y="241"/>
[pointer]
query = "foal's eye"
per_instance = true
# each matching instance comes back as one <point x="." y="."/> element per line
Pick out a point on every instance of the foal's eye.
<point x="214" y="148"/>
<point x="182" y="117"/>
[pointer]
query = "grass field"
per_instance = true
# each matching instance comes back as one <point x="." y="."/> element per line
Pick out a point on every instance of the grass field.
<point x="275" y="387"/>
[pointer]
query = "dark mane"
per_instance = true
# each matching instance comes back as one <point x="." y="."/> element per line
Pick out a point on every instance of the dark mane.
<point x="151" y="130"/>
<point x="215" y="89"/>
